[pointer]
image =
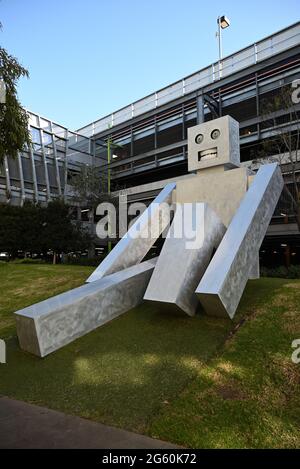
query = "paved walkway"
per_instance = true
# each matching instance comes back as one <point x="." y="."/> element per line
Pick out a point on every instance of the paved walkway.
<point x="24" y="425"/>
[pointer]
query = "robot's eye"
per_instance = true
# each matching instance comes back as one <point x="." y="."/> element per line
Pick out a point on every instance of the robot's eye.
<point x="215" y="134"/>
<point x="199" y="138"/>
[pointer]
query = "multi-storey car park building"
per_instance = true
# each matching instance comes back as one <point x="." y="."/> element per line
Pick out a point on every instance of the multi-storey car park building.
<point x="152" y="133"/>
<point x="42" y="171"/>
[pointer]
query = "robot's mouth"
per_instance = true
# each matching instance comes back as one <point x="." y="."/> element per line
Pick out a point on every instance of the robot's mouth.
<point x="207" y="154"/>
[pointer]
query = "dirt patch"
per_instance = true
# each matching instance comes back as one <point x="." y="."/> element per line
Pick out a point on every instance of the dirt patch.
<point x="289" y="370"/>
<point x="295" y="285"/>
<point x="282" y="300"/>
<point x="230" y="393"/>
<point x="292" y="322"/>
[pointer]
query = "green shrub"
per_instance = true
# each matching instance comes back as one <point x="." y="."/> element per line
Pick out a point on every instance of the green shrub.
<point x="68" y="260"/>
<point x="28" y="260"/>
<point x="281" y="272"/>
<point x="294" y="271"/>
<point x="84" y="261"/>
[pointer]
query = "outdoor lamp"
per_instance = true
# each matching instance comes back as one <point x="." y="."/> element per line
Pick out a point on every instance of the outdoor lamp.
<point x="224" y="21"/>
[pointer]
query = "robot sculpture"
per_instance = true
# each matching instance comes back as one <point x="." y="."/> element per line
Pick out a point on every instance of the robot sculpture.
<point x="229" y="208"/>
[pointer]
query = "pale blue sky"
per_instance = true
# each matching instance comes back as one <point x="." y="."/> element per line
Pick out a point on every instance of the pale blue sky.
<point x="87" y="58"/>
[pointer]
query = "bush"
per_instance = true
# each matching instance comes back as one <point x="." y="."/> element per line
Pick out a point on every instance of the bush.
<point x="294" y="271"/>
<point x="85" y="261"/>
<point x="36" y="228"/>
<point x="67" y="260"/>
<point x="28" y="260"/>
<point x="281" y="272"/>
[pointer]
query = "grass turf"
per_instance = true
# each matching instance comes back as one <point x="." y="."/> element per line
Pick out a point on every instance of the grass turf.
<point x="200" y="382"/>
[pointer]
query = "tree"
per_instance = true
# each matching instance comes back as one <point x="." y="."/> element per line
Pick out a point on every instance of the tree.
<point x="10" y="229"/>
<point x="35" y="229"/>
<point x="30" y="225"/>
<point x="14" y="132"/>
<point x="20" y="228"/>
<point x="90" y="189"/>
<point x="59" y="233"/>
<point x="283" y="145"/>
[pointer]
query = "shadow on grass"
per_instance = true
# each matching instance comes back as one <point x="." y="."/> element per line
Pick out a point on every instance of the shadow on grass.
<point x="129" y="370"/>
<point x="248" y="396"/>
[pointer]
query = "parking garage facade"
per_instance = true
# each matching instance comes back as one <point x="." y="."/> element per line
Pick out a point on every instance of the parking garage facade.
<point x="152" y="132"/>
<point x="151" y="135"/>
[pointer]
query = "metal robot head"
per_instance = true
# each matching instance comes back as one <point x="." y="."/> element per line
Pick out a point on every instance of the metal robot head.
<point x="214" y="143"/>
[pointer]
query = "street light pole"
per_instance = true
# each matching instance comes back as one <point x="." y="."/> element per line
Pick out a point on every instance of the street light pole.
<point x="223" y="22"/>
<point x="220" y="39"/>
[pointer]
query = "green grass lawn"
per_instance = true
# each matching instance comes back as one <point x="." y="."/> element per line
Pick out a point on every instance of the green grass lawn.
<point x="25" y="284"/>
<point x="198" y="382"/>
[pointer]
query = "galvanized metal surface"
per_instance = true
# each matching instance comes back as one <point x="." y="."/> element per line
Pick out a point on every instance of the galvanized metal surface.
<point x="220" y="150"/>
<point x="49" y="325"/>
<point x="255" y="269"/>
<point x="180" y="268"/>
<point x="135" y="244"/>
<point x="222" y="191"/>
<point x="223" y="283"/>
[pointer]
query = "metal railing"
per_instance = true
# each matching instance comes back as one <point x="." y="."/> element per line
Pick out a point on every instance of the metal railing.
<point x="257" y="52"/>
<point x="41" y="170"/>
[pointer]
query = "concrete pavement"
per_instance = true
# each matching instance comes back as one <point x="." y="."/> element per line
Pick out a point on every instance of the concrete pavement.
<point x="25" y="425"/>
